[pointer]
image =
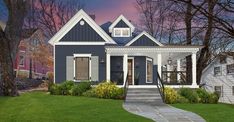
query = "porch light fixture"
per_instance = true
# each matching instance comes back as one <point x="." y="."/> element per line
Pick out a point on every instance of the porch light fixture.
<point x="169" y="61"/>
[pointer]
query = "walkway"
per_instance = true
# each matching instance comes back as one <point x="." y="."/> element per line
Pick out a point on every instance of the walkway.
<point x="162" y="113"/>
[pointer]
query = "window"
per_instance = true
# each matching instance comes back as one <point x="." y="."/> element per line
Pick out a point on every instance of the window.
<point x="230" y="69"/>
<point x="233" y="90"/>
<point x="125" y="32"/>
<point x="21" y="60"/>
<point x="117" y="32"/>
<point x="149" y="71"/>
<point x="217" y="71"/>
<point x="82" y="67"/>
<point x="218" y="89"/>
<point x="121" y="32"/>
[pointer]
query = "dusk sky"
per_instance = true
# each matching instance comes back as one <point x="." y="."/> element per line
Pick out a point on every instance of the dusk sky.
<point x="105" y="10"/>
<point x="110" y="9"/>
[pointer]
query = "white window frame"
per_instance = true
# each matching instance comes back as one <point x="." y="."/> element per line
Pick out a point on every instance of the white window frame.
<point x="121" y="32"/>
<point x="220" y="71"/>
<point x="149" y="59"/>
<point x="232" y="90"/>
<point x="227" y="69"/>
<point x="74" y="62"/>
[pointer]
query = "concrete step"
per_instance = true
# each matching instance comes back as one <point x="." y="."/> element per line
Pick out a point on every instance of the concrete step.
<point x="144" y="101"/>
<point x="143" y="95"/>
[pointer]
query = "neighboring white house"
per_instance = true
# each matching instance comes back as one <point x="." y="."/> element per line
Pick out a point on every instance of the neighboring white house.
<point x="219" y="77"/>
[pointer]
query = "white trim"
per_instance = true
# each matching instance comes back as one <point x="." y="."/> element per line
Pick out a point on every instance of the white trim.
<point x="54" y="62"/>
<point x="146" y="80"/>
<point x="80" y="43"/>
<point x="146" y="34"/>
<point x="74" y="61"/>
<point x="182" y="86"/>
<point x="121" y="17"/>
<point x="125" y="67"/>
<point x="164" y="49"/>
<point x="82" y="55"/>
<point x="194" y="69"/>
<point x="159" y="69"/>
<point x="133" y="70"/>
<point x="73" y="21"/>
<point x="108" y="67"/>
<point x="138" y="86"/>
<point x="121" y="32"/>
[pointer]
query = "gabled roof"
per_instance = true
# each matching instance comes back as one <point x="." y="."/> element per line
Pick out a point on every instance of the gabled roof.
<point x="121" y="17"/>
<point x="73" y="21"/>
<point x="147" y="35"/>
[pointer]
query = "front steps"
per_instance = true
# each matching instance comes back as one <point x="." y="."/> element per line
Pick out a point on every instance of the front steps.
<point x="144" y="95"/>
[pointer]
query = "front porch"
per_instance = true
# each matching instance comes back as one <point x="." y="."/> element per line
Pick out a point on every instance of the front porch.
<point x="140" y="65"/>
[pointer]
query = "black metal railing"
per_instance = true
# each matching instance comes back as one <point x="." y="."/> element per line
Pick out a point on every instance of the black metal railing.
<point x="126" y="84"/>
<point x="171" y="78"/>
<point x="161" y="88"/>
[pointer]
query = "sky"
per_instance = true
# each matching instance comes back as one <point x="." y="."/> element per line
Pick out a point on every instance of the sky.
<point x="108" y="10"/>
<point x="104" y="10"/>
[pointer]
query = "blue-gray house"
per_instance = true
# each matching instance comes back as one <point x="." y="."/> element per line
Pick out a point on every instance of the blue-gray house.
<point x="85" y="51"/>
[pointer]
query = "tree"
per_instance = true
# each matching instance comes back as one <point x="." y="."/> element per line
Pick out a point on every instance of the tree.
<point x="9" y="41"/>
<point x="204" y="22"/>
<point x="51" y="15"/>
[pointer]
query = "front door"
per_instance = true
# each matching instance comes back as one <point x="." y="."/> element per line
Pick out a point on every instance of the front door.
<point x="130" y="71"/>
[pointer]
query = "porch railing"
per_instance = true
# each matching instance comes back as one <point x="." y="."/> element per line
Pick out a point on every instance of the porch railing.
<point x="126" y="84"/>
<point x="161" y="88"/>
<point x="171" y="78"/>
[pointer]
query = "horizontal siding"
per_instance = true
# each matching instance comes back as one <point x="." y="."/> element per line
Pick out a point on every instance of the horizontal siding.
<point x="225" y="80"/>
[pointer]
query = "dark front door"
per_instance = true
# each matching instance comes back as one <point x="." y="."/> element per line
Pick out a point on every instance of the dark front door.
<point x="130" y="71"/>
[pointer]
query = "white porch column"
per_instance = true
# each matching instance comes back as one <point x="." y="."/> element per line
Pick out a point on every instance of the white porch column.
<point x="178" y="69"/>
<point x="194" y="69"/>
<point x="108" y="67"/>
<point x="125" y="66"/>
<point x="159" y="58"/>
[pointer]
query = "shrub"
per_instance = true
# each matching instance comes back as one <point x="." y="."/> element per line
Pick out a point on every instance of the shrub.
<point x="55" y="89"/>
<point x="79" y="89"/>
<point x="182" y="99"/>
<point x="203" y="95"/>
<point x="90" y="93"/>
<point x="189" y="94"/>
<point x="66" y="87"/>
<point x="213" y="98"/>
<point x="171" y="95"/>
<point x="108" y="90"/>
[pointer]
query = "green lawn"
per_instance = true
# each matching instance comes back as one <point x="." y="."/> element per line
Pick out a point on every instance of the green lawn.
<point x="42" y="107"/>
<point x="211" y="112"/>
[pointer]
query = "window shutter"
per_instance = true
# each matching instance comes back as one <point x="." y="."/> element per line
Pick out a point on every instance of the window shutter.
<point x="94" y="68"/>
<point x="69" y="68"/>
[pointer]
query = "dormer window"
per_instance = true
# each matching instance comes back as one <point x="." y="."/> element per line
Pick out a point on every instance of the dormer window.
<point x="121" y="27"/>
<point x="121" y="32"/>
